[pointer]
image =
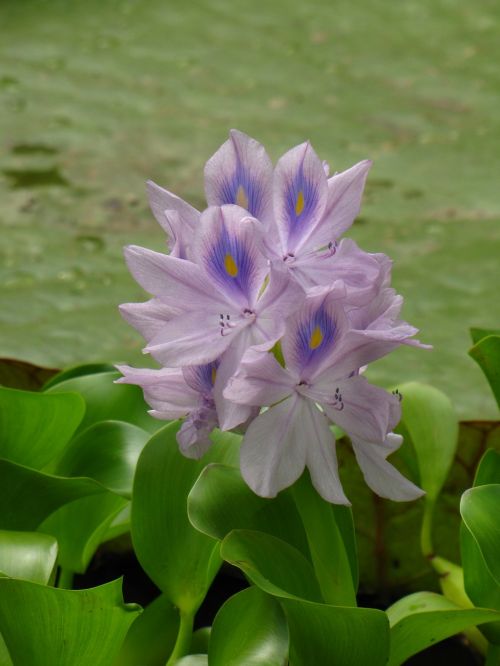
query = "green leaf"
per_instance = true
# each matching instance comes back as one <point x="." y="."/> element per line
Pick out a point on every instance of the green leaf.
<point x="425" y="618"/>
<point x="477" y="334"/>
<point x="78" y="371"/>
<point x="272" y="564"/>
<point x="35" y="427"/>
<point x="486" y="353"/>
<point x="193" y="660"/>
<point x="107" y="401"/>
<point x="323" y="634"/>
<point x="63" y="627"/>
<point x="200" y="640"/>
<point x="221" y="501"/>
<point x="430" y="421"/>
<point x="27" y="555"/>
<point x="249" y="629"/>
<point x="479" y="509"/>
<point x="488" y="470"/>
<point x="29" y="496"/>
<point x="179" y="559"/>
<point x="151" y="637"/>
<point x="81" y="526"/>
<point x="330" y="534"/>
<point x="107" y="452"/>
<point x="429" y="418"/>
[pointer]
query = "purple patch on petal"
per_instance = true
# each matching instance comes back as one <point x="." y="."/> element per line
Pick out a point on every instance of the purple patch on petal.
<point x="232" y="264"/>
<point x="242" y="190"/>
<point x="301" y="200"/>
<point x="201" y="378"/>
<point x="315" y="337"/>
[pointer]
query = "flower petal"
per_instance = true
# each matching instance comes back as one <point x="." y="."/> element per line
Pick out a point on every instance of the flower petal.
<point x="194" y="435"/>
<point x="161" y="200"/>
<point x="359" y="408"/>
<point x="165" y="390"/>
<point x="259" y="381"/>
<point x="273" y="451"/>
<point x="240" y="173"/>
<point x="358" y="270"/>
<point x="227" y="248"/>
<point x="312" y="332"/>
<point x="300" y="195"/>
<point x="321" y="455"/>
<point x="172" y="280"/>
<point x="148" y="318"/>
<point x="192" y="338"/>
<point x="345" y="191"/>
<point x="382" y="477"/>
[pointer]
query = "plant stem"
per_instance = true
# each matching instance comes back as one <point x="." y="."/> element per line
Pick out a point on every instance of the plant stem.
<point x="183" y="642"/>
<point x="426" y="530"/>
<point x="65" y="580"/>
<point x="326" y="545"/>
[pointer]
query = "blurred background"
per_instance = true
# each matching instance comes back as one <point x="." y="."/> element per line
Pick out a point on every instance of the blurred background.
<point x="98" y="96"/>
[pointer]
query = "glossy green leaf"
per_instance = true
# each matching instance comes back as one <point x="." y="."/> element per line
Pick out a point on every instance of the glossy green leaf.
<point x="272" y="564"/>
<point x="193" y="660"/>
<point x="430" y="423"/>
<point x="477" y="334"/>
<point x="332" y="544"/>
<point x="249" y="629"/>
<point x="27" y="555"/>
<point x="107" y="452"/>
<point x="5" y="659"/>
<point x="488" y="470"/>
<point x="29" y="496"/>
<point x="430" y="419"/>
<point x="486" y="353"/>
<point x="107" y="401"/>
<point x="479" y="509"/>
<point x="35" y="427"/>
<point x="151" y="637"/>
<point x="221" y="501"/>
<point x="200" y="640"/>
<point x="81" y="526"/>
<point x="179" y="559"/>
<point x="78" y="371"/>
<point x="63" y="627"/>
<point x="323" y="634"/>
<point x="425" y="618"/>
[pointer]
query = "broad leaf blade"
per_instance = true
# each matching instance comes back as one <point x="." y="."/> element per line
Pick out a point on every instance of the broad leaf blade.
<point x="323" y="634"/>
<point x="27" y="555"/>
<point x="486" y="353"/>
<point x="178" y="558"/>
<point x="63" y="627"/>
<point x="249" y="629"/>
<point x="221" y="501"/>
<point x="151" y="637"/>
<point x="106" y="400"/>
<point x="479" y="509"/>
<point x="425" y="618"/>
<point x="35" y="427"/>
<point x="272" y="564"/>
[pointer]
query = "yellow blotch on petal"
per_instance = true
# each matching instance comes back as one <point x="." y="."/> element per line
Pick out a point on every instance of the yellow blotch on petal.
<point x="241" y="197"/>
<point x="214" y="375"/>
<point x="230" y="265"/>
<point x="316" y="338"/>
<point x="300" y="203"/>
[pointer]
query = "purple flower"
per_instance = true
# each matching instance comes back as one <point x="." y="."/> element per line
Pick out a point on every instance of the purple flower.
<point x="180" y="392"/>
<point x="319" y="384"/>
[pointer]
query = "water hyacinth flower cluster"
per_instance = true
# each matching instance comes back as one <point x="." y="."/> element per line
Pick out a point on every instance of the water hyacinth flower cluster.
<point x="263" y="318"/>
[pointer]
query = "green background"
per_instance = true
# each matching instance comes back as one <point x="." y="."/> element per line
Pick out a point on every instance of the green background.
<point x="96" y="97"/>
